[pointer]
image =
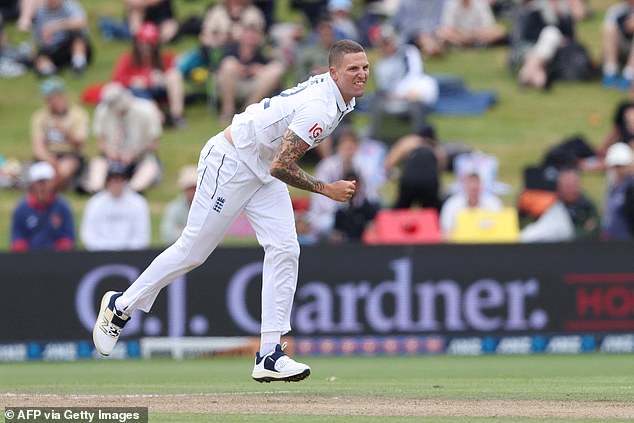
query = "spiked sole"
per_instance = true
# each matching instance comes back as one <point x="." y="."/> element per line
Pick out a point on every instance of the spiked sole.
<point x="294" y="378"/>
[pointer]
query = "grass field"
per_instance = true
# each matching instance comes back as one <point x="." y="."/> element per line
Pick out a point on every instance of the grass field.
<point x="517" y="130"/>
<point x="538" y="388"/>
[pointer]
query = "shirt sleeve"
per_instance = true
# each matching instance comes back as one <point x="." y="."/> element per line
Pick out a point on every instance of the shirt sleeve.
<point x="310" y="121"/>
<point x="18" y="231"/>
<point x="37" y="125"/>
<point x="122" y="71"/>
<point x="66" y="240"/>
<point x="75" y="10"/>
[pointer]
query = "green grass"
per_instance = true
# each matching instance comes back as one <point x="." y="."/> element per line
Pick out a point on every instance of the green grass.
<point x="581" y="378"/>
<point x="517" y="130"/>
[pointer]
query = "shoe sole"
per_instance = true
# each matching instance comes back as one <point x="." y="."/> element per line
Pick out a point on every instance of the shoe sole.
<point x="294" y="378"/>
<point x="104" y="303"/>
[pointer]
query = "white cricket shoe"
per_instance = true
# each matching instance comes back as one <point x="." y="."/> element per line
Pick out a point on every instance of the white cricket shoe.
<point x="277" y="366"/>
<point x="109" y="323"/>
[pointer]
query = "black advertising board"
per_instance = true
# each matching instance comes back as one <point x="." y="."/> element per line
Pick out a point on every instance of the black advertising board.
<point x="452" y="290"/>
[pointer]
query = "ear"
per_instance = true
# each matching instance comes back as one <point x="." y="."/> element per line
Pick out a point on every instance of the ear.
<point x="333" y="74"/>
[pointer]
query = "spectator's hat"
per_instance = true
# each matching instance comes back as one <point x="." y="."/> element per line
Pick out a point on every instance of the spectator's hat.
<point x="187" y="177"/>
<point x="117" y="169"/>
<point x="149" y="33"/>
<point x="427" y="131"/>
<point x="41" y="171"/>
<point x="334" y="5"/>
<point x="116" y="96"/>
<point x="52" y="86"/>
<point x="619" y="154"/>
<point x="251" y="18"/>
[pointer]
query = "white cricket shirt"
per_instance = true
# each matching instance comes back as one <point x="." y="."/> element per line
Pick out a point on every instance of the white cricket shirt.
<point x="312" y="110"/>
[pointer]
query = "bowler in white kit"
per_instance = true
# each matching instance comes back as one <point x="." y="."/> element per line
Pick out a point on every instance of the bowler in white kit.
<point x="246" y="168"/>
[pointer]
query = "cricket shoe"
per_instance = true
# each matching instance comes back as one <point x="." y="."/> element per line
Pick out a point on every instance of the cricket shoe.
<point x="277" y="366"/>
<point x="109" y="323"/>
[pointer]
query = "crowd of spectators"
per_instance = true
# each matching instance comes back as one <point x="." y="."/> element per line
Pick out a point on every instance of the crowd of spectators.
<point x="245" y="55"/>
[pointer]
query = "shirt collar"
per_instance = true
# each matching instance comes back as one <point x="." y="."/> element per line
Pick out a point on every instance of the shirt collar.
<point x="341" y="104"/>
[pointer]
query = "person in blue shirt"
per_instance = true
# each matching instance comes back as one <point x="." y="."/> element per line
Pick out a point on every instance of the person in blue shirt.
<point x="42" y="220"/>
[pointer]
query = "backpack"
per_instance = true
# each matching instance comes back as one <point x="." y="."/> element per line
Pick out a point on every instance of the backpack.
<point x="572" y="63"/>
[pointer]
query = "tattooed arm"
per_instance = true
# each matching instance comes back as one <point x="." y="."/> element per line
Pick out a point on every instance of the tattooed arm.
<point x="286" y="169"/>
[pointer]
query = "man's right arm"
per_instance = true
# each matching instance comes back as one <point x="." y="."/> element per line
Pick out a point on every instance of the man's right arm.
<point x="286" y="169"/>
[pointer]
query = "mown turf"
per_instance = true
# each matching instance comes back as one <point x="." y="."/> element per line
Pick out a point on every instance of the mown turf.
<point x="593" y="377"/>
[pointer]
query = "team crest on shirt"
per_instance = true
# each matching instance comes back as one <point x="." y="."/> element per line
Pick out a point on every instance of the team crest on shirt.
<point x="315" y="131"/>
<point x="56" y="220"/>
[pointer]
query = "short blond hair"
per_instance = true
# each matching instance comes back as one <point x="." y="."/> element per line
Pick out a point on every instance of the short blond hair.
<point x="341" y="48"/>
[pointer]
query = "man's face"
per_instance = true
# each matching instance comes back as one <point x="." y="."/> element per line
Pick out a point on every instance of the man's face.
<point x="43" y="189"/>
<point x="472" y="188"/>
<point x="57" y="102"/>
<point x="568" y="186"/>
<point x="116" y="185"/>
<point x="351" y="75"/>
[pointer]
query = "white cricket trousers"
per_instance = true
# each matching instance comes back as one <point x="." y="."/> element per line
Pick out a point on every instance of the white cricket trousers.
<point x="225" y="188"/>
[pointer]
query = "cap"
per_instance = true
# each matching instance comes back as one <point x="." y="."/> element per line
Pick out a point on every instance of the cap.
<point x="339" y="5"/>
<point x="117" y="169"/>
<point x="41" y="171"/>
<point x="51" y="86"/>
<point x="388" y="33"/>
<point x="427" y="131"/>
<point x="619" y="154"/>
<point x="116" y="96"/>
<point x="149" y="33"/>
<point x="187" y="177"/>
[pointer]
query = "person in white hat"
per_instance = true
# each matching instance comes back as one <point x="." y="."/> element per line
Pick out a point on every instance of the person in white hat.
<point x="175" y="217"/>
<point x="42" y="220"/>
<point x="618" y="220"/>
<point x="128" y="130"/>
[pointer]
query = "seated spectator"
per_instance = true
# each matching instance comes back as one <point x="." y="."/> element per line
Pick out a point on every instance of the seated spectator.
<point x="401" y="83"/>
<point x="547" y="45"/>
<point x="472" y="196"/>
<point x="616" y="34"/>
<point x="582" y="211"/>
<point x="175" y="215"/>
<point x="622" y="130"/>
<point x="618" y="218"/>
<point x="312" y="54"/>
<point x="311" y="9"/>
<point x="418" y="22"/>
<point x="42" y="220"/>
<point x="352" y="218"/>
<point x="572" y="216"/>
<point x="159" y="12"/>
<point x="60" y="28"/>
<point x="246" y="74"/>
<point x="345" y="160"/>
<point x="214" y="35"/>
<point x="340" y="16"/>
<point x="58" y="133"/>
<point x="116" y="218"/>
<point x="423" y="161"/>
<point x="468" y="23"/>
<point x="21" y="11"/>
<point x="222" y="25"/>
<point x="151" y="73"/>
<point x="127" y="130"/>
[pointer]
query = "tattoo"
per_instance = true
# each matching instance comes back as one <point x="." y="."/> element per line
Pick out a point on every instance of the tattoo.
<point x="286" y="169"/>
